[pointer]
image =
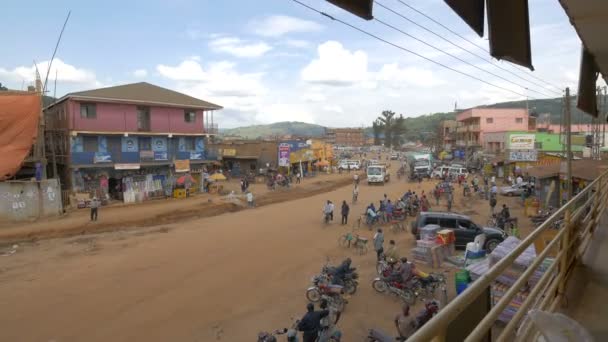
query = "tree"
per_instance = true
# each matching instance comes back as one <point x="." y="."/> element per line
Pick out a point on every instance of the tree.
<point x="2" y="87"/>
<point x="377" y="129"/>
<point x="397" y="131"/>
<point x="387" y="120"/>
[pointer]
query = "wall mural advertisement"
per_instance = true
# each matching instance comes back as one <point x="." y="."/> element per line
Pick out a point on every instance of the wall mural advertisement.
<point x="129" y="144"/>
<point x="160" y="156"/>
<point x="181" y="144"/>
<point x="199" y="144"/>
<point x="159" y="144"/>
<point x="103" y="144"/>
<point x="77" y="145"/>
<point x="195" y="155"/>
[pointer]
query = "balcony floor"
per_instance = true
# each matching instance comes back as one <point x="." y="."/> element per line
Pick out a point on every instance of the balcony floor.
<point x="587" y="291"/>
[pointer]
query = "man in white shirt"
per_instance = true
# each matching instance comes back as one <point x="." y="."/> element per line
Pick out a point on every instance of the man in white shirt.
<point x="250" y="199"/>
<point x="519" y="180"/>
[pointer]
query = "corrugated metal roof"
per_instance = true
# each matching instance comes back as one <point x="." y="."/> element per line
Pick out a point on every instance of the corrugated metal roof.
<point x="144" y="93"/>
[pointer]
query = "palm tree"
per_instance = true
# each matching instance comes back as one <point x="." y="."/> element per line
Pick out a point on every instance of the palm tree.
<point x="387" y="120"/>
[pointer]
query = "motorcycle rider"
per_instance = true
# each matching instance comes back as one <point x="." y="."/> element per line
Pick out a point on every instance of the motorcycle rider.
<point x="504" y="213"/>
<point x="328" y="331"/>
<point x="341" y="271"/>
<point x="310" y="324"/>
<point x="403" y="273"/>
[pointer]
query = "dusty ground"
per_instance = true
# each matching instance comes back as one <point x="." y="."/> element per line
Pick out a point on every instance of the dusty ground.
<point x="222" y="277"/>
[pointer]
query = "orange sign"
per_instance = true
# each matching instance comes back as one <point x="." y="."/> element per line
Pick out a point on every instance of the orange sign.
<point x="182" y="165"/>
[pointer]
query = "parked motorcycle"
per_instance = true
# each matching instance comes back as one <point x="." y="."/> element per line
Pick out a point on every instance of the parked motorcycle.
<point x="430" y="309"/>
<point x="292" y="334"/>
<point x="349" y="280"/>
<point x="383" y="285"/>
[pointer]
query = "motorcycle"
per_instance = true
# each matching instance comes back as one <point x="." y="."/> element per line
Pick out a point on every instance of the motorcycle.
<point x="399" y="214"/>
<point x="382" y="285"/>
<point x="292" y="334"/>
<point x="430" y="309"/>
<point x="323" y="289"/>
<point x="375" y="335"/>
<point x="349" y="281"/>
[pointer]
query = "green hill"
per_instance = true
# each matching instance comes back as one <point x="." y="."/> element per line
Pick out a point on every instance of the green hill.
<point x="277" y="129"/>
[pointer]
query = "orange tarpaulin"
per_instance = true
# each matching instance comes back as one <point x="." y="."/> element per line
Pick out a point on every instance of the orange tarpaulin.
<point x="18" y="130"/>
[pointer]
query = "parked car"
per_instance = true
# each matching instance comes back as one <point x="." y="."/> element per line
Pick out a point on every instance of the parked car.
<point x="465" y="230"/>
<point x="457" y="171"/>
<point x="513" y="190"/>
<point x="439" y="171"/>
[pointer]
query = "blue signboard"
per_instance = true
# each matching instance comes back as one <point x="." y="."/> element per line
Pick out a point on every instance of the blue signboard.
<point x="195" y="155"/>
<point x="295" y="145"/>
<point x="160" y="156"/>
<point x="129" y="144"/>
<point x="102" y="157"/>
<point x="199" y="144"/>
<point x="159" y="144"/>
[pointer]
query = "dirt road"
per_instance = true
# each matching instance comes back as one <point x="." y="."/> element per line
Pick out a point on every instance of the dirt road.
<point x="216" y="278"/>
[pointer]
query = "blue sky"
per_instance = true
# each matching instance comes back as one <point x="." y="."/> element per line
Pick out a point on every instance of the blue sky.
<point x="273" y="60"/>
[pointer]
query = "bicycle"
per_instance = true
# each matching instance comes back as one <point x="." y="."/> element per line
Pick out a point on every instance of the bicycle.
<point x="355" y="240"/>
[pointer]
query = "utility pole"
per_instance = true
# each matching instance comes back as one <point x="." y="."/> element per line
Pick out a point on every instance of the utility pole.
<point x="568" y="145"/>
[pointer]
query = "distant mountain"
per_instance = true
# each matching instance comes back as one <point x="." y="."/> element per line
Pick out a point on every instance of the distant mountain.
<point x="277" y="129"/>
<point x="419" y="128"/>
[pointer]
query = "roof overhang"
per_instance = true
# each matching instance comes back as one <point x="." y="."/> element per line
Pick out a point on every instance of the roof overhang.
<point x="126" y="101"/>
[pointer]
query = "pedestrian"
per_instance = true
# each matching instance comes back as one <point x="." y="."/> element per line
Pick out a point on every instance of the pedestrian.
<point x="310" y="324"/>
<point x="450" y="199"/>
<point x="436" y="194"/>
<point x="356" y="178"/>
<point x="406" y="324"/>
<point x="379" y="243"/>
<point x="389" y="208"/>
<point x="242" y="185"/>
<point x="391" y="254"/>
<point x="332" y="207"/>
<point x="298" y="177"/>
<point x="345" y="210"/>
<point x="492" y="205"/>
<point x="424" y="203"/>
<point x="250" y="199"/>
<point x="94" y="207"/>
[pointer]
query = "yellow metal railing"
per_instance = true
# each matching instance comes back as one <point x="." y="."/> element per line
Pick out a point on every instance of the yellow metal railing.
<point x="571" y="242"/>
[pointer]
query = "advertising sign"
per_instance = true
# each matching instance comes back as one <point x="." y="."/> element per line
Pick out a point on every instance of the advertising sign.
<point x="129" y="144"/>
<point x="523" y="155"/>
<point x="284" y="150"/>
<point x="182" y="165"/>
<point x="196" y="155"/>
<point x="159" y="144"/>
<point x="181" y="144"/>
<point x="521" y="141"/>
<point x="103" y="144"/>
<point x="229" y="152"/>
<point x="160" y="156"/>
<point x="102" y="157"/>
<point x="77" y="145"/>
<point x="146" y="155"/>
<point x="126" y="166"/>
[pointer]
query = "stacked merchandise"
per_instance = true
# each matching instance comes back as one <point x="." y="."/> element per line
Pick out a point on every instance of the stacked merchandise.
<point x="511" y="274"/>
<point x="478" y="269"/>
<point x="432" y="249"/>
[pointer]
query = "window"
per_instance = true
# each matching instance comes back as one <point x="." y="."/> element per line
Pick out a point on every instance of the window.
<point x="145" y="143"/>
<point x="431" y="220"/>
<point x="143" y="118"/>
<point x="538" y="145"/>
<point x="88" y="110"/>
<point x="489" y="120"/>
<point x="466" y="224"/>
<point x="519" y="120"/>
<point x="90" y="143"/>
<point x="448" y="223"/>
<point x="189" y="143"/>
<point x="189" y="115"/>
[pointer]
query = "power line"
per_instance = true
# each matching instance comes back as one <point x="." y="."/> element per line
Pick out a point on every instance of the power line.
<point x="464" y="49"/>
<point x="456" y="57"/>
<point x="407" y="50"/>
<point x="471" y="42"/>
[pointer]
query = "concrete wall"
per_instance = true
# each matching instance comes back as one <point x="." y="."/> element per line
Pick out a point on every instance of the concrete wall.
<point x="116" y="117"/>
<point x="29" y="200"/>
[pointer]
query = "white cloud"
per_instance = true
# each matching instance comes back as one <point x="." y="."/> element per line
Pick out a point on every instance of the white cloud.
<point x="336" y="66"/>
<point x="396" y="77"/>
<point x="66" y="73"/>
<point x="140" y="73"/>
<point x="313" y="97"/>
<point x="279" y="25"/>
<point x="297" y="43"/>
<point x="239" y="48"/>
<point x="188" y="70"/>
<point x="333" y="108"/>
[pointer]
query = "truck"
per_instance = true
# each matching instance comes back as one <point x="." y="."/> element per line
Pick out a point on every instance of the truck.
<point x="377" y="174"/>
<point x="420" y="164"/>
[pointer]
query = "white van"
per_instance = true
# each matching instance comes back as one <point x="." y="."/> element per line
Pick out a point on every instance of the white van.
<point x="352" y="164"/>
<point x="458" y="171"/>
<point x="439" y="171"/>
<point x="377" y="174"/>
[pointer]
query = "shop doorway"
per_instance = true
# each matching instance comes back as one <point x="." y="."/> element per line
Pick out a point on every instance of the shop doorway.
<point x="115" y="188"/>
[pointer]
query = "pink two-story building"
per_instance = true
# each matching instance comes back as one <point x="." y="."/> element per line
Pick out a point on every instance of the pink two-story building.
<point x="130" y="141"/>
<point x="473" y="123"/>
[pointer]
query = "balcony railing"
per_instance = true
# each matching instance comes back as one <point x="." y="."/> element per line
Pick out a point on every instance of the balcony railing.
<point x="211" y="129"/>
<point x="582" y="215"/>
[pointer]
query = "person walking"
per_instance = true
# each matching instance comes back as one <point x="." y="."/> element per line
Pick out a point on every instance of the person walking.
<point x="379" y="243"/>
<point x="450" y="199"/>
<point x="345" y="211"/>
<point x="94" y="207"/>
<point x="250" y="199"/>
<point x="492" y="205"/>
<point x="424" y="203"/>
<point x="391" y="254"/>
<point x="298" y="177"/>
<point x="437" y="194"/>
